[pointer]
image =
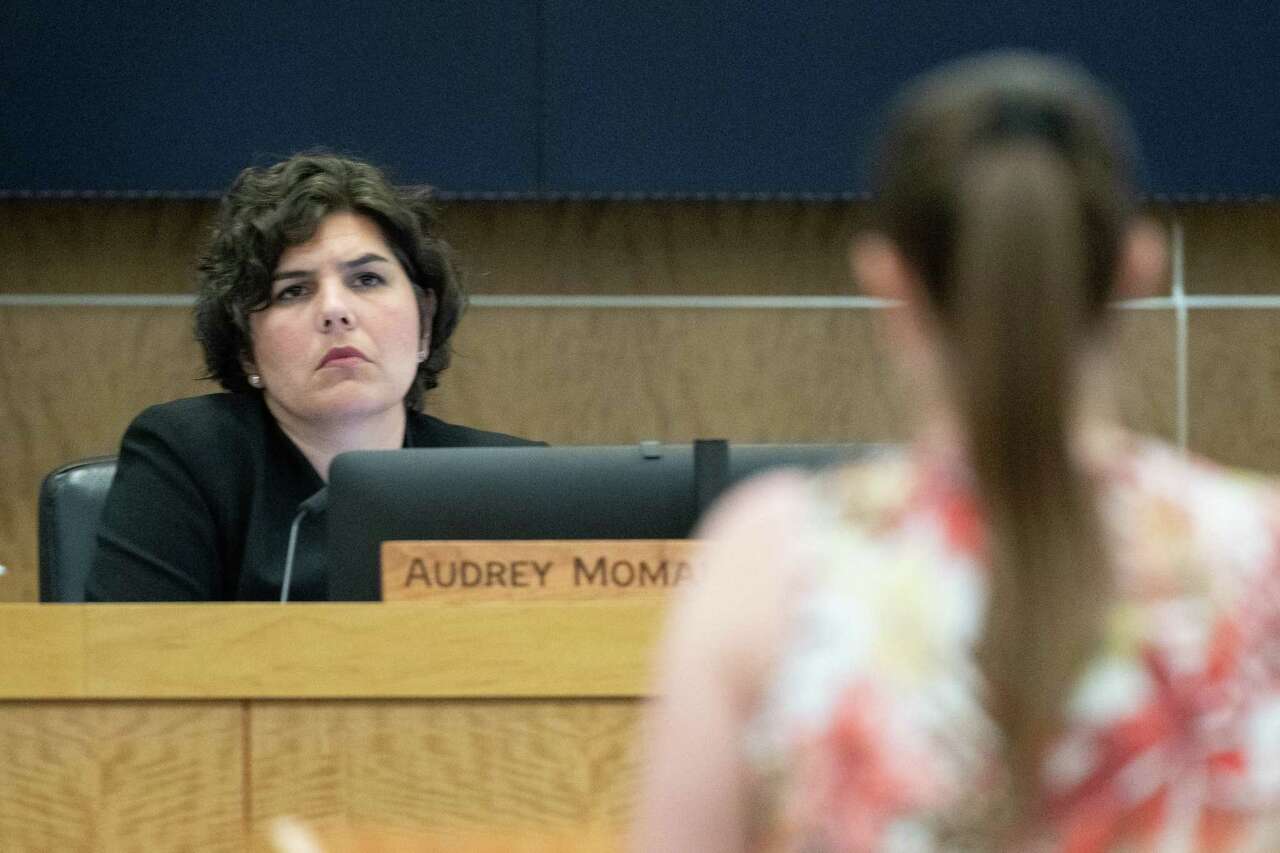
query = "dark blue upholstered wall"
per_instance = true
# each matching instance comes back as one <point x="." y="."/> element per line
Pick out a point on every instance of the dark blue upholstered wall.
<point x="552" y="97"/>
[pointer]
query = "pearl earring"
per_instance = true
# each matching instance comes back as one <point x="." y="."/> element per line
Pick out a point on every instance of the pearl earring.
<point x="255" y="380"/>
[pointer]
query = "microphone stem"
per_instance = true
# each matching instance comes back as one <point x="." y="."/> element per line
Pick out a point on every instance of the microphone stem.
<point x="288" y="557"/>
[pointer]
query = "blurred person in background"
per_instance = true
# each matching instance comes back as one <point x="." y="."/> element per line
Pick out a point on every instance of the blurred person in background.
<point x="1030" y="630"/>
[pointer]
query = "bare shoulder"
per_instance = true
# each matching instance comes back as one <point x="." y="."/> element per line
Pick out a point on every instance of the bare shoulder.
<point x="733" y="614"/>
<point x="753" y="536"/>
<point x="762" y="531"/>
<point x="760" y="507"/>
<point x="722" y="635"/>
<point x="1218" y="526"/>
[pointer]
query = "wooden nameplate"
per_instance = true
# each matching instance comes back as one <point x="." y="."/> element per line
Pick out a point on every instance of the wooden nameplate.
<point x="542" y="570"/>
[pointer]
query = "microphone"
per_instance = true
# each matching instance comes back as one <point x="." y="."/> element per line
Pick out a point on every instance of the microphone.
<point x="311" y="506"/>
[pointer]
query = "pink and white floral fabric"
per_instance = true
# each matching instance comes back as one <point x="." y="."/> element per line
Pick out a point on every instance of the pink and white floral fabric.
<point x="873" y="734"/>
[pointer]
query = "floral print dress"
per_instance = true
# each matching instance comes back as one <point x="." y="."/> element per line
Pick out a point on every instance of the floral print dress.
<point x="873" y="736"/>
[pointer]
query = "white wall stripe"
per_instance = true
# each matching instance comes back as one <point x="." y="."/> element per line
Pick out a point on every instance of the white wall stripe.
<point x="1159" y="303"/>
<point x="1180" y="304"/>
<point x="1227" y="301"/>
<point x="95" y="300"/>
<point x="677" y="301"/>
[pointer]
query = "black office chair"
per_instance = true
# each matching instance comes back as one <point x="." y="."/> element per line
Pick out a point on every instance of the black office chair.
<point x="71" y="501"/>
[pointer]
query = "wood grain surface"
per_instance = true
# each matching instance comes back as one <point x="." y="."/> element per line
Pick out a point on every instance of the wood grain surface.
<point x="141" y="771"/>
<point x="1231" y="248"/>
<point x="1235" y="387"/>
<point x="71" y="379"/>
<point x="87" y="776"/>
<point x="224" y="651"/>
<point x="583" y="376"/>
<point x="654" y="247"/>
<point x="446" y="766"/>
<point x="218" y="776"/>
<point x="571" y="246"/>
<point x="42" y="651"/>
<point x="1144" y="350"/>
<point x="101" y="246"/>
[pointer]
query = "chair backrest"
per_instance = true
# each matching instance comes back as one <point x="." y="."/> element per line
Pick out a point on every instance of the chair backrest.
<point x="71" y="502"/>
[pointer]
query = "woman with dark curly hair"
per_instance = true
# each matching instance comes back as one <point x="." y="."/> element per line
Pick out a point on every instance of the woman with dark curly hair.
<point x="325" y="307"/>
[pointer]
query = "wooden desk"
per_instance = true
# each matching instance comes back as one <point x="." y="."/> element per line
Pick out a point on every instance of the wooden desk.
<point x="165" y="727"/>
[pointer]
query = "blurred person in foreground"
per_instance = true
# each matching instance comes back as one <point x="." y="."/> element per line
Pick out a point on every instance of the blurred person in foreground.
<point x="326" y="302"/>
<point x="1029" y="631"/>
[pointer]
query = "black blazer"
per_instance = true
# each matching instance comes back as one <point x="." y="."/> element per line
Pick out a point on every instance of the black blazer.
<point x="204" y="495"/>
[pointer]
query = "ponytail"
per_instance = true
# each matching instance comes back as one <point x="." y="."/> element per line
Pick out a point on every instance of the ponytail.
<point x="1019" y="320"/>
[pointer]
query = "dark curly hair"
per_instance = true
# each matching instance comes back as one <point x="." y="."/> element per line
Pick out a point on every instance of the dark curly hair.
<point x="269" y="209"/>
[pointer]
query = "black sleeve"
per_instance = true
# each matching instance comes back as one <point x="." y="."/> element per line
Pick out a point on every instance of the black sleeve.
<point x="158" y="539"/>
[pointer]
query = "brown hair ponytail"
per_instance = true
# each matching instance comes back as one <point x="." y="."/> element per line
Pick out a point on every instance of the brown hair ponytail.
<point x="1019" y="322"/>
<point x="1005" y="183"/>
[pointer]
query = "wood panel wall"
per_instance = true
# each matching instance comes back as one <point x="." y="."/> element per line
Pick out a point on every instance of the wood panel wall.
<point x="216" y="776"/>
<point x="197" y="727"/>
<point x="72" y="377"/>
<point x="81" y="776"/>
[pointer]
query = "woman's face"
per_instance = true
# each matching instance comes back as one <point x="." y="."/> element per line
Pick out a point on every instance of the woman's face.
<point x="340" y="337"/>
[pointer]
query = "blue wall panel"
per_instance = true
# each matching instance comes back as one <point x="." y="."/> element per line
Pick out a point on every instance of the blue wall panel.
<point x="178" y="97"/>
<point x="571" y="96"/>
<point x="738" y="96"/>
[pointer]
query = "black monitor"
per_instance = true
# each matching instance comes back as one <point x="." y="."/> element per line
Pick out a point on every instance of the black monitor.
<point x="644" y="491"/>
